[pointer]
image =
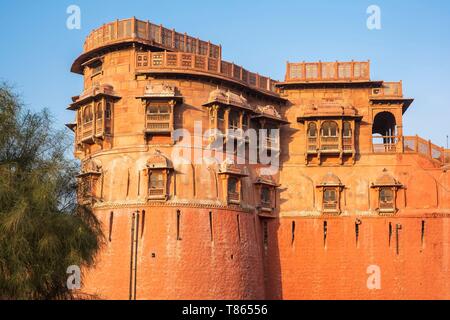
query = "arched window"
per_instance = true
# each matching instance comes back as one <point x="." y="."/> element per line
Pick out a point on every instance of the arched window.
<point x="386" y="198"/>
<point x="108" y="118"/>
<point x="108" y="111"/>
<point x="330" y="199"/>
<point x="87" y="114"/>
<point x="384" y="132"/>
<point x="99" y="111"/>
<point x="347" y="130"/>
<point x="312" y="130"/>
<point x="156" y="182"/>
<point x="329" y="129"/>
<point x="265" y="195"/>
<point x="221" y="119"/>
<point x="233" y="189"/>
<point x="234" y="120"/>
<point x="233" y="185"/>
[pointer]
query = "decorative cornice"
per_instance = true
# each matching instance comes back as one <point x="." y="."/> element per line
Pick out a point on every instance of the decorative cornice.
<point x="202" y="204"/>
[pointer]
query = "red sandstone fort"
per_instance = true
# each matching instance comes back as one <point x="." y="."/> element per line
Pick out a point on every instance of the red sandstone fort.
<point x="351" y="192"/>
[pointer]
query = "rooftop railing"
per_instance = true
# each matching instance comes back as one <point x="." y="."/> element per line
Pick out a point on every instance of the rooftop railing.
<point x="195" y="62"/>
<point x="411" y="144"/>
<point x="133" y="29"/>
<point x="328" y="71"/>
<point x="389" y="89"/>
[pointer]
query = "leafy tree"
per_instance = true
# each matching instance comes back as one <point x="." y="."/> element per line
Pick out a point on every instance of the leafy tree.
<point x="42" y="229"/>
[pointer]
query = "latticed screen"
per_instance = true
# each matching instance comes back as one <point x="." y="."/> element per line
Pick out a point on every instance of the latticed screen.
<point x="156" y="183"/>
<point x="236" y="72"/>
<point x="157" y="59"/>
<point x="167" y="37"/>
<point x="345" y="70"/>
<point x="186" y="60"/>
<point x="179" y="41"/>
<point x="330" y="199"/>
<point x="226" y="68"/>
<point x="141" y="29"/>
<point x="158" y="117"/>
<point x="172" y="59"/>
<point x="263" y="82"/>
<point x="191" y="45"/>
<point x="265" y="195"/>
<point x="200" y="62"/>
<point x="391" y="89"/>
<point x="386" y="199"/>
<point x="214" y="51"/>
<point x="124" y="29"/>
<point x="142" y="60"/>
<point x="296" y="71"/>
<point x="156" y="180"/>
<point x="212" y="64"/>
<point x="155" y="33"/>
<point x="110" y="32"/>
<point x="328" y="70"/>
<point x="252" y="79"/>
<point x="233" y="189"/>
<point x="311" y="71"/>
<point x="203" y="48"/>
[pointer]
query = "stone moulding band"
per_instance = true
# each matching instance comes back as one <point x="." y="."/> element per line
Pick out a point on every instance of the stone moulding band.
<point x="174" y="203"/>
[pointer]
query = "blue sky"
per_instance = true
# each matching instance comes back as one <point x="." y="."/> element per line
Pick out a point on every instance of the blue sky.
<point x="413" y="45"/>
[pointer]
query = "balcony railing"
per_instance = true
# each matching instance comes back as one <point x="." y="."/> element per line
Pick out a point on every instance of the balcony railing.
<point x="329" y="143"/>
<point x="347" y="143"/>
<point x="233" y="197"/>
<point x="410" y="144"/>
<point x="158" y="123"/>
<point x="88" y="130"/>
<point x="312" y="144"/>
<point x="425" y="147"/>
<point x="99" y="127"/>
<point x="198" y="63"/>
<point x="387" y="206"/>
<point x="152" y="34"/>
<point x="328" y="71"/>
<point x="384" y="144"/>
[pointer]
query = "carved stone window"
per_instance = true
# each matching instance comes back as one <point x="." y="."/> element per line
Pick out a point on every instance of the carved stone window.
<point x="159" y="177"/>
<point x="221" y="120"/>
<point x="157" y="183"/>
<point x="265" y="188"/>
<point x="234" y="120"/>
<point x="330" y="199"/>
<point x="312" y="136"/>
<point x="347" y="140"/>
<point x="387" y="188"/>
<point x="160" y="101"/>
<point x="231" y="177"/>
<point x="87" y="180"/>
<point x="330" y="129"/>
<point x="331" y="189"/>
<point x="108" y="118"/>
<point x="87" y="114"/>
<point x="329" y="136"/>
<point x="386" y="199"/>
<point x="234" y="190"/>
<point x="159" y="117"/>
<point x="94" y="113"/>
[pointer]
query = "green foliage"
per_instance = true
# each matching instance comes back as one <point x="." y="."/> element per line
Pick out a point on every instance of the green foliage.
<point x="42" y="229"/>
